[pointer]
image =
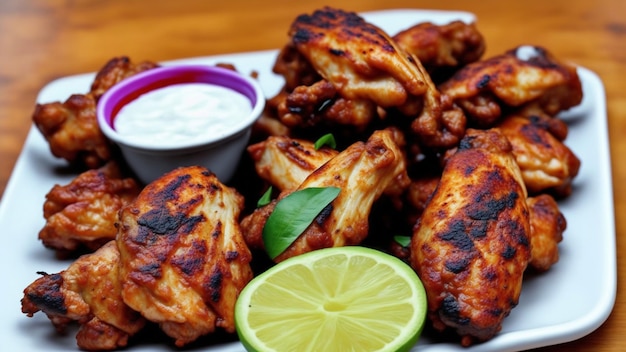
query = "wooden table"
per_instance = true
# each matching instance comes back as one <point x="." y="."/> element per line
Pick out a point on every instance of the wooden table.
<point x="44" y="40"/>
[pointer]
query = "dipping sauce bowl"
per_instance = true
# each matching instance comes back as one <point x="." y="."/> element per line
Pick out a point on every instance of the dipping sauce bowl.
<point x="183" y="115"/>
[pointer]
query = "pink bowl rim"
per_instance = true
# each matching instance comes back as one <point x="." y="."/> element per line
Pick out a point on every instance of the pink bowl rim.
<point x="132" y="87"/>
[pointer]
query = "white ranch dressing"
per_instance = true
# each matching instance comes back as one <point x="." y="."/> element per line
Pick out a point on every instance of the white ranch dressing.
<point x="182" y="113"/>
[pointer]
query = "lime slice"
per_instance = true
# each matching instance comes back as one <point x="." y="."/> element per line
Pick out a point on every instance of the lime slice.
<point x="334" y="299"/>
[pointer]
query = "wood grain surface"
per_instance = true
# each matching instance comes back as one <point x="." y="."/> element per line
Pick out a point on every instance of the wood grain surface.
<point x="44" y="40"/>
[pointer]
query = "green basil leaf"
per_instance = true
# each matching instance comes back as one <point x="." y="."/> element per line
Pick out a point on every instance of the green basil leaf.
<point x="292" y="215"/>
<point x="327" y="139"/>
<point x="404" y="241"/>
<point x="265" y="199"/>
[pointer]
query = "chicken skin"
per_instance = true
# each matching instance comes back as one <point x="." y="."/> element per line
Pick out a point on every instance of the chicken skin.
<point x="442" y="49"/>
<point x="294" y="68"/>
<point x="547" y="164"/>
<point x="71" y="128"/>
<point x="471" y="245"/>
<point x="286" y="162"/>
<point x="88" y="292"/>
<point x="363" y="76"/>
<point x="116" y="70"/>
<point x="72" y="131"/>
<point x="183" y="258"/>
<point x="521" y="77"/>
<point x="357" y="58"/>
<point x="363" y="172"/>
<point x="82" y="214"/>
<point x="547" y="225"/>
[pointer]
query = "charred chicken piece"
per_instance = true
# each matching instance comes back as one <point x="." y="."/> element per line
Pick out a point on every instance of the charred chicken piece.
<point x="320" y="103"/>
<point x="295" y="68"/>
<point x="524" y="76"/>
<point x="442" y="49"/>
<point x="547" y="164"/>
<point x="116" y="70"/>
<point x="357" y="58"/>
<point x="363" y="73"/>
<point x="286" y="162"/>
<point x="88" y="292"/>
<point x="82" y="214"/>
<point x="419" y="193"/>
<point x="363" y="171"/>
<point x="547" y="225"/>
<point x="71" y="128"/>
<point x="72" y="131"/>
<point x="183" y="258"/>
<point x="472" y="244"/>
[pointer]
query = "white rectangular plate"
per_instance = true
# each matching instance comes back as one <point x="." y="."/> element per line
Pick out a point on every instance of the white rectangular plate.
<point x="571" y="300"/>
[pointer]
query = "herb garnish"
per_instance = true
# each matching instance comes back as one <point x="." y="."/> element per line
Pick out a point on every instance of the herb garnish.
<point x="292" y="215"/>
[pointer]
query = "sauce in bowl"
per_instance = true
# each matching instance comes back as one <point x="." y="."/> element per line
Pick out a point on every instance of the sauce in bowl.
<point x="181" y="113"/>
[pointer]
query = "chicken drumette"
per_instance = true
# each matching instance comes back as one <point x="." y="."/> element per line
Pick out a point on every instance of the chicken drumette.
<point x="286" y="162"/>
<point x="442" y="49"/>
<point x="82" y="214"/>
<point x="526" y="76"/>
<point x="71" y="127"/>
<point x="547" y="164"/>
<point x="88" y="292"/>
<point x="183" y="257"/>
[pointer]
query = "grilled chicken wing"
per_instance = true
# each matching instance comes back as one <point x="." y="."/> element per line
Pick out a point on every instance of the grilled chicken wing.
<point x="72" y="131"/>
<point x="419" y="193"/>
<point x="308" y="106"/>
<point x="358" y="58"/>
<point x="90" y="293"/>
<point x="295" y="68"/>
<point x="286" y="162"/>
<point x="363" y="73"/>
<point x="82" y="214"/>
<point x="442" y="49"/>
<point x="547" y="225"/>
<point x="71" y="128"/>
<point x="183" y="258"/>
<point x="116" y="70"/>
<point x="526" y="75"/>
<point x="547" y="164"/>
<point x="471" y="245"/>
<point x="363" y="171"/>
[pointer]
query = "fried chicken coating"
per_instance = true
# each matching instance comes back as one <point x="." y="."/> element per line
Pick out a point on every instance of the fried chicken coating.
<point x="526" y="75"/>
<point x="363" y="171"/>
<point x="547" y="164"/>
<point x="71" y="128"/>
<point x="87" y="292"/>
<point x="82" y="214"/>
<point x="471" y="245"/>
<point x="183" y="258"/>
<point x="442" y="49"/>
<point x="547" y="225"/>
<point x="286" y="162"/>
